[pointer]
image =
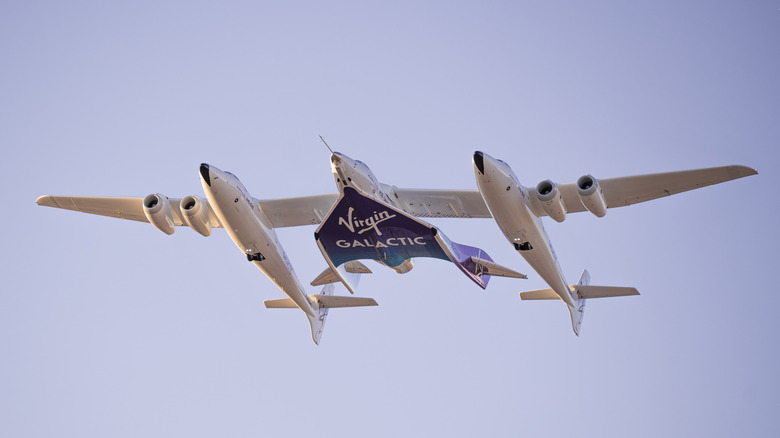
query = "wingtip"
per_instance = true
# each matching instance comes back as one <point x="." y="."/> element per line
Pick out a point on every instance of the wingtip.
<point x="745" y="170"/>
<point x="45" y="200"/>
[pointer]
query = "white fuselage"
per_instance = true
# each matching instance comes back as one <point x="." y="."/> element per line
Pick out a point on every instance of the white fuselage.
<point x="511" y="207"/>
<point x="354" y="173"/>
<point x="250" y="230"/>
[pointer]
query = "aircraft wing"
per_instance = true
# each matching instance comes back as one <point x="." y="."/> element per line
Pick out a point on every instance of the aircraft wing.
<point x="123" y="208"/>
<point x="440" y="203"/>
<point x="293" y="212"/>
<point x="286" y="212"/>
<point x="628" y="190"/>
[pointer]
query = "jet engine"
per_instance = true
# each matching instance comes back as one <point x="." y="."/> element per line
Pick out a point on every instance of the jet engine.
<point x="196" y="214"/>
<point x="158" y="211"/>
<point x="591" y="196"/>
<point x="550" y="197"/>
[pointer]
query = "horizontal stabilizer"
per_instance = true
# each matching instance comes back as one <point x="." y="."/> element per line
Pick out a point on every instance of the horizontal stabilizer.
<point x="541" y="294"/>
<point x="489" y="268"/>
<point x="324" y="301"/>
<point x="584" y="292"/>
<point x="328" y="276"/>
<point x="604" y="291"/>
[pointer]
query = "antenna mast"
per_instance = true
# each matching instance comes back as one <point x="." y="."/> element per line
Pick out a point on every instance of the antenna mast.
<point x="326" y="145"/>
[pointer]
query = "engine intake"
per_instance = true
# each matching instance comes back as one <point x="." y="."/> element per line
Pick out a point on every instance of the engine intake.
<point x="550" y="197"/>
<point x="590" y="193"/>
<point x="158" y="211"/>
<point x="196" y="214"/>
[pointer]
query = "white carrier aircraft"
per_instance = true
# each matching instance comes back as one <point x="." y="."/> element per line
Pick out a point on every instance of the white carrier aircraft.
<point x="518" y="210"/>
<point x="248" y="221"/>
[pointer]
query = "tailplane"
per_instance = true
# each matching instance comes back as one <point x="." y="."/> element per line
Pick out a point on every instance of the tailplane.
<point x="579" y="293"/>
<point x="349" y="274"/>
<point x="322" y="302"/>
<point x="487" y="267"/>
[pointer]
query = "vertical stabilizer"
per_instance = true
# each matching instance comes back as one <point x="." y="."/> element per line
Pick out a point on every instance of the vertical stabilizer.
<point x="317" y="322"/>
<point x="578" y="312"/>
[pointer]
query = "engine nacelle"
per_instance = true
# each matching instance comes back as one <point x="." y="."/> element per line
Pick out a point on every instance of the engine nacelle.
<point x="158" y="211"/>
<point x="591" y="196"/>
<point x="550" y="197"/>
<point x="196" y="214"/>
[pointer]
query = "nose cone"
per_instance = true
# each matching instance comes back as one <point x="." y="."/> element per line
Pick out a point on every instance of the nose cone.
<point x="335" y="158"/>
<point x="205" y="174"/>
<point x="479" y="162"/>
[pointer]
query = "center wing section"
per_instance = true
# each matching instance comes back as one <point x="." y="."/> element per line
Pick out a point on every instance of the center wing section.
<point x="359" y="227"/>
<point x="439" y="203"/>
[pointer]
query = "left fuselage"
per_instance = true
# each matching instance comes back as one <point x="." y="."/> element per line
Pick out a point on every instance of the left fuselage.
<point x="251" y="231"/>
<point x="511" y="207"/>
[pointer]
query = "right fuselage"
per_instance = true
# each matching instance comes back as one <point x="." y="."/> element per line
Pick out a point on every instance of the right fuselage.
<point x="511" y="207"/>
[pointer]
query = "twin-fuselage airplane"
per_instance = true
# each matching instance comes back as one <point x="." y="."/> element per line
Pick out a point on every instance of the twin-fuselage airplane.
<point x="371" y="220"/>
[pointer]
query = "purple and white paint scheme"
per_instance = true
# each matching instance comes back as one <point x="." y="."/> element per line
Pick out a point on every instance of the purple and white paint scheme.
<point x="358" y="227"/>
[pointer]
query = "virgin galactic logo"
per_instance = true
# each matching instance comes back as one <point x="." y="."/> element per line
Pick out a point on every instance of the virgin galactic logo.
<point x="364" y="225"/>
<point x="360" y="226"/>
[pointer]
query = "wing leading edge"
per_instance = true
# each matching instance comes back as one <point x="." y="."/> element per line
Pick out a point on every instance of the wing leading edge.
<point x="122" y="208"/>
<point x="618" y="192"/>
<point x="310" y="210"/>
<point x="628" y="190"/>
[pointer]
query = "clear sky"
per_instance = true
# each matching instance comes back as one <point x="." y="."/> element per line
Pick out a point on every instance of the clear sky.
<point x="111" y="328"/>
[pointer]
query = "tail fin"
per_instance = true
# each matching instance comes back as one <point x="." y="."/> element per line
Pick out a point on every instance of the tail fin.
<point x="317" y="322"/>
<point x="579" y="312"/>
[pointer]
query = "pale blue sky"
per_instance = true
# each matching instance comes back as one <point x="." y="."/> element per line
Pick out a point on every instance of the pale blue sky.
<point x="111" y="328"/>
